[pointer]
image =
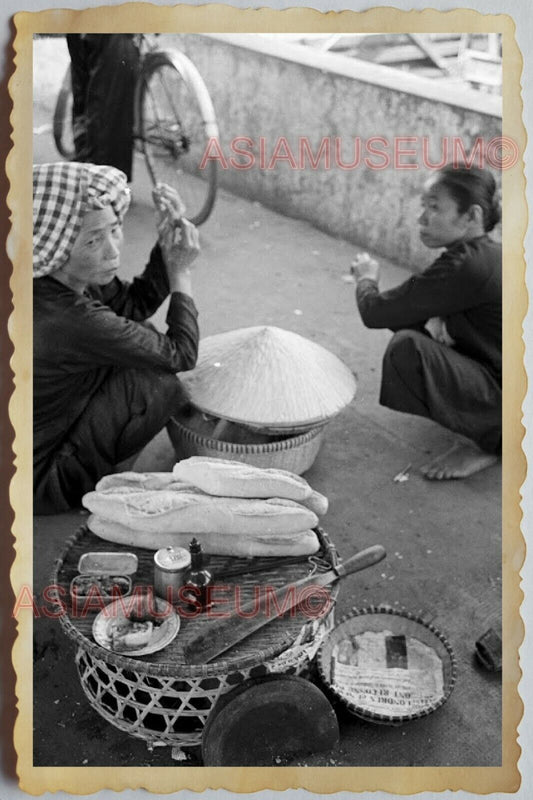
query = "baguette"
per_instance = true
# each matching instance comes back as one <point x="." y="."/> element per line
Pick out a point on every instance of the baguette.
<point x="141" y="480"/>
<point x="224" y="478"/>
<point x="196" y="512"/>
<point x="228" y="544"/>
<point x="317" y="502"/>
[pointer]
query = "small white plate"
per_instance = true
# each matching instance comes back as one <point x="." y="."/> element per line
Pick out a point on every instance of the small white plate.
<point x="162" y="635"/>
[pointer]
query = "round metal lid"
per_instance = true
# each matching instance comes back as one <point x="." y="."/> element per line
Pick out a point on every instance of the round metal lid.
<point x="172" y="558"/>
<point x="269" y="721"/>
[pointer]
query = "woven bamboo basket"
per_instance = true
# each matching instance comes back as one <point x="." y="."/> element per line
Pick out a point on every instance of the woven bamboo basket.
<point x="295" y="453"/>
<point x="159" y="697"/>
<point x="400" y="623"/>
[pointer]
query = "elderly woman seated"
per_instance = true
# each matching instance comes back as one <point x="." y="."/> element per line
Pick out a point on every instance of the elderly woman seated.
<point x="104" y="380"/>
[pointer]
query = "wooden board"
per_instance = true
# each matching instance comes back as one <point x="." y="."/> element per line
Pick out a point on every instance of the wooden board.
<point x="268" y="573"/>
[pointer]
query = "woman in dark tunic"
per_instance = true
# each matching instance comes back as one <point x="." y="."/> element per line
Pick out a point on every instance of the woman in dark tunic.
<point x="445" y="358"/>
<point x="104" y="381"/>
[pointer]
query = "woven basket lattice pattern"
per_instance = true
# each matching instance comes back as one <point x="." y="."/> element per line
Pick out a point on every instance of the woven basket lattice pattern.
<point x="296" y="453"/>
<point x="168" y="710"/>
<point x="162" y="698"/>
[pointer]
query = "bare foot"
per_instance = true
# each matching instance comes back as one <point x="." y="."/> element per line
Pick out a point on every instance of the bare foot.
<point x="460" y="461"/>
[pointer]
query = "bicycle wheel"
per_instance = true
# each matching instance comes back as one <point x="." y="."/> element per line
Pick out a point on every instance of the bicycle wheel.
<point x="62" y="121"/>
<point x="175" y="122"/>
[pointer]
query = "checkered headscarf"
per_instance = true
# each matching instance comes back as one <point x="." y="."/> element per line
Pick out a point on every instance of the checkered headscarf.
<point x="62" y="194"/>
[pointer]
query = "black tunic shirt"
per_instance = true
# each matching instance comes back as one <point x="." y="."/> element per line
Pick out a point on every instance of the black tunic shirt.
<point x="79" y="339"/>
<point x="463" y="287"/>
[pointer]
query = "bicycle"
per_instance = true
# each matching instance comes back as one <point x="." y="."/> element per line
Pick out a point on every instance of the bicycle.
<point x="174" y="123"/>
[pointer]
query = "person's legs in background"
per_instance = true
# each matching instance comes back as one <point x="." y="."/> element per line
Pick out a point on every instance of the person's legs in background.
<point x="105" y="68"/>
<point x="423" y="377"/>
<point x="79" y="73"/>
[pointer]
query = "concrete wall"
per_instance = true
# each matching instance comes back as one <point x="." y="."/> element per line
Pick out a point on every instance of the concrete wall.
<point x="265" y="90"/>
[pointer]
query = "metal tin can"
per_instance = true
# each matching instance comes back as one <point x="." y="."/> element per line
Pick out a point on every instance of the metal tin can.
<point x="101" y="575"/>
<point x="170" y="567"/>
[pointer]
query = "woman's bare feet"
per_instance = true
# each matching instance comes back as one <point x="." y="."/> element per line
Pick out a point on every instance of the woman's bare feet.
<point x="460" y="461"/>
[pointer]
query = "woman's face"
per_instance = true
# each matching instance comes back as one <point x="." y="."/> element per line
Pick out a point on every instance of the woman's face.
<point x="95" y="256"/>
<point x="441" y="224"/>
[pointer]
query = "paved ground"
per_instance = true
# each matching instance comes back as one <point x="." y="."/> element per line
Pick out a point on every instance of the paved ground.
<point x="443" y="540"/>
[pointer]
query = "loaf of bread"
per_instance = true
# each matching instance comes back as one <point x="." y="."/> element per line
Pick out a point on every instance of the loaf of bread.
<point x="142" y="480"/>
<point x="195" y="512"/>
<point x="223" y="478"/>
<point x="223" y="544"/>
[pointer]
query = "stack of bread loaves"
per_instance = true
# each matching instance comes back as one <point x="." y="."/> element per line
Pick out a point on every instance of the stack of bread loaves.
<point x="233" y="508"/>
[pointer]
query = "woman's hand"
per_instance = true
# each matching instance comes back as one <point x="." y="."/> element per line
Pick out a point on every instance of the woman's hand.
<point x="363" y="266"/>
<point x="436" y="327"/>
<point x="169" y="206"/>
<point x="178" y="238"/>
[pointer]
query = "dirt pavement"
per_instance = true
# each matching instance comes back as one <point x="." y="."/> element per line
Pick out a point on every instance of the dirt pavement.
<point x="443" y="540"/>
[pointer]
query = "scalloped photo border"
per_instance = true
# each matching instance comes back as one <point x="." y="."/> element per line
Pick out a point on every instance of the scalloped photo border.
<point x="142" y="17"/>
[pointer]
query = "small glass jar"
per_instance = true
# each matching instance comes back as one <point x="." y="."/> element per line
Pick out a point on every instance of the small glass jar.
<point x="170" y="567"/>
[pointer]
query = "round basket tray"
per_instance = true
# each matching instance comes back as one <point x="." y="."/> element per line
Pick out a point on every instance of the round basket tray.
<point x="295" y="453"/>
<point x="387" y="665"/>
<point x="160" y="697"/>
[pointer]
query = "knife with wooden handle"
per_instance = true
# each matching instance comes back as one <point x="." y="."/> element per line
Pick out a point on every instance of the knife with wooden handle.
<point x="218" y="635"/>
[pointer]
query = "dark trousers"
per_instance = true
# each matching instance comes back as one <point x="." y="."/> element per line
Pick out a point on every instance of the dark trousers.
<point x="128" y="410"/>
<point x="422" y="377"/>
<point x="105" y="67"/>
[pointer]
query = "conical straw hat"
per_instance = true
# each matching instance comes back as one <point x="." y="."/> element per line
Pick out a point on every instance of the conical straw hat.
<point x="268" y="377"/>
